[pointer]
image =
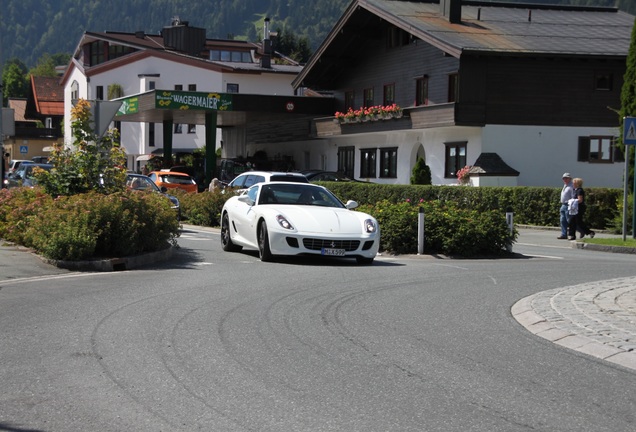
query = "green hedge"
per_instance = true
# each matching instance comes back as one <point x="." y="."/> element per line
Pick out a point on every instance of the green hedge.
<point x="88" y="225"/>
<point x="461" y="221"/>
<point x="530" y="205"/>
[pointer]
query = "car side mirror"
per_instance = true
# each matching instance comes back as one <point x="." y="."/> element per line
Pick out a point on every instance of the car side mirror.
<point x="245" y="198"/>
<point x="351" y="204"/>
<point x="164" y="189"/>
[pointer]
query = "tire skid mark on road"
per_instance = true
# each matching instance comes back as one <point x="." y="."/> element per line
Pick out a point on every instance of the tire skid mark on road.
<point x="128" y="389"/>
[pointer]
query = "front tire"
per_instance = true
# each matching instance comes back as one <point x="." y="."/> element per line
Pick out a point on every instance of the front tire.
<point x="226" y="240"/>
<point x="264" y="251"/>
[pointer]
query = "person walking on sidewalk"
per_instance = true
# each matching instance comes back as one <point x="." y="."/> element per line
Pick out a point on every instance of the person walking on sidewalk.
<point x="576" y="222"/>
<point x="567" y="193"/>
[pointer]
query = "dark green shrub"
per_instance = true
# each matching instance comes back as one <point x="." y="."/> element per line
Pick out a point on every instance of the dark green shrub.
<point x="530" y="205"/>
<point x="88" y="225"/>
<point x="203" y="208"/>
<point x="421" y="173"/>
<point x="448" y="229"/>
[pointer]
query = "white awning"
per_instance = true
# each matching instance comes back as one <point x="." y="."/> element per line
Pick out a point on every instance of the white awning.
<point x="144" y="157"/>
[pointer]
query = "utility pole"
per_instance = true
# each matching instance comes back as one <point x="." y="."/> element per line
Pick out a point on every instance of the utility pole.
<point x="2" y="161"/>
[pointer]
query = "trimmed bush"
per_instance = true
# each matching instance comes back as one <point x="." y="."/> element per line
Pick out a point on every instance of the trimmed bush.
<point x="531" y="205"/>
<point x="449" y="230"/>
<point x="89" y="225"/>
<point x="202" y="208"/>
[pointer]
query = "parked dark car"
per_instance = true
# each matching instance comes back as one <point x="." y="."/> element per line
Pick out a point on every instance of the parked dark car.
<point x="319" y="175"/>
<point x="24" y="175"/>
<point x="145" y="183"/>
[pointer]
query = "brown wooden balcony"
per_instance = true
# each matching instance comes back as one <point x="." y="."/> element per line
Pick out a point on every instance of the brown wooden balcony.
<point x="420" y="117"/>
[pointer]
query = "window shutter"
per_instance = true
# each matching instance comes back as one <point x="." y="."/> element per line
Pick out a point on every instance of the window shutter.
<point x="584" y="149"/>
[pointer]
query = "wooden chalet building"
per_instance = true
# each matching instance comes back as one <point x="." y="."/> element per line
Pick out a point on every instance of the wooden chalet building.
<point x="38" y="120"/>
<point x="528" y="91"/>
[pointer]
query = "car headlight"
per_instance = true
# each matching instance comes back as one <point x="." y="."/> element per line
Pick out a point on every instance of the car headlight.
<point x="283" y="222"/>
<point x="370" y="226"/>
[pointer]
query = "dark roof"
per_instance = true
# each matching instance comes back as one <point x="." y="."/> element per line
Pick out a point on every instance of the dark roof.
<point x="141" y="42"/>
<point x="507" y="28"/>
<point x="491" y="164"/>
<point x="484" y="27"/>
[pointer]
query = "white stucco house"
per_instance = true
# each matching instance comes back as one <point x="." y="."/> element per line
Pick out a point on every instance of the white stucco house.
<point x="113" y="65"/>
<point x="522" y="93"/>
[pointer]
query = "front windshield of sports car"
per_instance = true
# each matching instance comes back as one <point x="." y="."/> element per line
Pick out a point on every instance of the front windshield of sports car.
<point x="297" y="194"/>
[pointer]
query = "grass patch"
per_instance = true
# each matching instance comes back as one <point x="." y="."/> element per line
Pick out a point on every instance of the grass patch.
<point x="629" y="242"/>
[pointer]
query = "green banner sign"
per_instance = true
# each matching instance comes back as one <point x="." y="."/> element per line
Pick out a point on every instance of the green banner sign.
<point x="167" y="99"/>
<point x="129" y="106"/>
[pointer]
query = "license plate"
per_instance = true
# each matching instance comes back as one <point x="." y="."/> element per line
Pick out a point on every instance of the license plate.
<point x="333" y="252"/>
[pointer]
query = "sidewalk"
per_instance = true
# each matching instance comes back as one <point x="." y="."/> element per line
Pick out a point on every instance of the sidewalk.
<point x="598" y="318"/>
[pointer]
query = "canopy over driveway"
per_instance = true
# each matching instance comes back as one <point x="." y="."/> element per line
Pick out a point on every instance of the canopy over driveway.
<point x="215" y="110"/>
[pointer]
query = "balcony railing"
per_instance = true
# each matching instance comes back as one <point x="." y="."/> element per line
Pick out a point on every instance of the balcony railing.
<point x="31" y="132"/>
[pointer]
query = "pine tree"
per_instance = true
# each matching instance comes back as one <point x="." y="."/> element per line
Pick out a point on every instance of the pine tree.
<point x="628" y="102"/>
<point x="421" y="174"/>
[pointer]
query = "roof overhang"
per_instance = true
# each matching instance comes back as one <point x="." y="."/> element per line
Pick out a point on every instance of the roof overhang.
<point x="232" y="109"/>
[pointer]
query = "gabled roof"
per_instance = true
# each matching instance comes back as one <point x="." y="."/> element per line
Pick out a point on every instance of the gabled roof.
<point x="18" y="105"/>
<point x="491" y="164"/>
<point x="48" y="96"/>
<point x="142" y="45"/>
<point x="485" y="27"/>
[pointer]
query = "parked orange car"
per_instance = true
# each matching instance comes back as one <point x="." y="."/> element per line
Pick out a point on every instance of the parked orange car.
<point x="174" y="180"/>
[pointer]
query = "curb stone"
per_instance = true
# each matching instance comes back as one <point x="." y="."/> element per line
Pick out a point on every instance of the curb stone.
<point x="114" y="264"/>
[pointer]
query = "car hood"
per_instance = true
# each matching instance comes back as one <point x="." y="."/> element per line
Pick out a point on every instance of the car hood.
<point x="315" y="219"/>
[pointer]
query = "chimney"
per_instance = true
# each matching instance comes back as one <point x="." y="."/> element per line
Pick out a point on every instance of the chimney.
<point x="266" y="58"/>
<point x="181" y="37"/>
<point x="452" y="10"/>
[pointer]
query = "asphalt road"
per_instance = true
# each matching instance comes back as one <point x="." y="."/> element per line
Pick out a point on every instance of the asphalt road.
<point x="217" y="341"/>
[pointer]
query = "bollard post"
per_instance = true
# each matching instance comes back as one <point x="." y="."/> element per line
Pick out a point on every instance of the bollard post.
<point x="420" y="231"/>
<point x="511" y="225"/>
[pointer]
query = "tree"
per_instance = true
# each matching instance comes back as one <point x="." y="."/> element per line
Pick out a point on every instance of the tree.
<point x="47" y="64"/>
<point x="628" y="102"/>
<point x="95" y="163"/>
<point x="421" y="174"/>
<point x="296" y="48"/>
<point x="14" y="80"/>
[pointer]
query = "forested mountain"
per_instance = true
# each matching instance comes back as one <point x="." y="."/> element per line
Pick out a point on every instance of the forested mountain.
<point x="30" y="28"/>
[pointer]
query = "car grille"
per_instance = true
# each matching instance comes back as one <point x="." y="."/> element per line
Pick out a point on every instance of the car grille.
<point x="318" y="244"/>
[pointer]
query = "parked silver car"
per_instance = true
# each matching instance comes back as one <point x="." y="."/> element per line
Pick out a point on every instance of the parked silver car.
<point x="24" y="175"/>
